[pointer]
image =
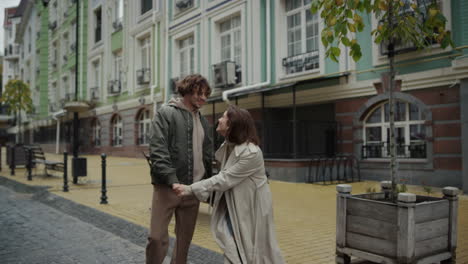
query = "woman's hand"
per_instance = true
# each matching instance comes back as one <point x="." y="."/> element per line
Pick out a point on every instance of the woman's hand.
<point x="181" y="189"/>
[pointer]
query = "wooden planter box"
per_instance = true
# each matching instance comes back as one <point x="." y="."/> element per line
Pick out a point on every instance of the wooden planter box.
<point x="416" y="229"/>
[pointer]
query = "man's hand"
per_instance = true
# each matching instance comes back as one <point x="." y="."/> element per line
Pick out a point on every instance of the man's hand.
<point x="181" y="189"/>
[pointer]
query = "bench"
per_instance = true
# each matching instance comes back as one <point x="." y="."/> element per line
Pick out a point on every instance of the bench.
<point x="38" y="157"/>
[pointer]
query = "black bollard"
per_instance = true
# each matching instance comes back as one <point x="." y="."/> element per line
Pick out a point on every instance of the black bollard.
<point x="103" y="189"/>
<point x="12" y="161"/>
<point x="65" y="171"/>
<point x="29" y="164"/>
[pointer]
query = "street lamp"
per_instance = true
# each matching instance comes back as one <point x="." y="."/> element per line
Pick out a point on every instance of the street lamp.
<point x="78" y="164"/>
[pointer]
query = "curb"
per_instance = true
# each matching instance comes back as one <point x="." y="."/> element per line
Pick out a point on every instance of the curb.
<point x="117" y="226"/>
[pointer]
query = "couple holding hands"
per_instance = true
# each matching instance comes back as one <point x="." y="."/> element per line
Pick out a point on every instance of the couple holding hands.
<point x="181" y="158"/>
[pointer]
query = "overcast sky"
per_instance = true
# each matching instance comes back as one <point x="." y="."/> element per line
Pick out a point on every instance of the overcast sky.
<point x="3" y="4"/>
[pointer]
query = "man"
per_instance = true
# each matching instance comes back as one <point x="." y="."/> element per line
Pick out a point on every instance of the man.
<point x="180" y="152"/>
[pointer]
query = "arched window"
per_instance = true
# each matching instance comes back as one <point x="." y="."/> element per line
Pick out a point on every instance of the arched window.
<point x="96" y="130"/>
<point x="410" y="132"/>
<point x="143" y="125"/>
<point x="116" y="131"/>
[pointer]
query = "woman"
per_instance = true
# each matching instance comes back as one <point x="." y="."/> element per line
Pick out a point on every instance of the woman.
<point x="242" y="219"/>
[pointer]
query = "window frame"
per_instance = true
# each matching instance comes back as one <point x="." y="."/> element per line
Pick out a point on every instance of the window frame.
<point x="117" y="131"/>
<point x="384" y="126"/>
<point x="379" y="59"/>
<point x="143" y="126"/>
<point x="283" y="42"/>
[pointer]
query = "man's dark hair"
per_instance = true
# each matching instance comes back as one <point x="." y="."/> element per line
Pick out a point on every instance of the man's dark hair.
<point x="241" y="126"/>
<point x="192" y="84"/>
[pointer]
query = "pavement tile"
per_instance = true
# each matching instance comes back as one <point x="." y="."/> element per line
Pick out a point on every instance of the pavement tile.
<point x="304" y="214"/>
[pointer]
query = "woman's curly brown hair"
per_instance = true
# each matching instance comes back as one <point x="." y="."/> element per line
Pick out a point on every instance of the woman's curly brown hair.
<point x="194" y="83"/>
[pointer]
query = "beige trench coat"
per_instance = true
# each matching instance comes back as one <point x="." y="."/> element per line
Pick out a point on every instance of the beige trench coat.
<point x="242" y="189"/>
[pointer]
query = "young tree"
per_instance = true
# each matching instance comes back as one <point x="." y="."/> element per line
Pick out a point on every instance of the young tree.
<point x="17" y="96"/>
<point x="417" y="22"/>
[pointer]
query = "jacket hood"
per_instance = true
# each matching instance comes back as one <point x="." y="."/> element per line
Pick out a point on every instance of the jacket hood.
<point x="178" y="102"/>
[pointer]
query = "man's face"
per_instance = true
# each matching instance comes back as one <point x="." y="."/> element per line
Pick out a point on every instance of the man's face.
<point x="197" y="99"/>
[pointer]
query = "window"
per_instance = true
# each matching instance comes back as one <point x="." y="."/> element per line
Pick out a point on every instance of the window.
<point x="231" y="43"/>
<point x="143" y="74"/>
<point x="96" y="130"/>
<point x="186" y="56"/>
<point x="65" y="90"/>
<point x="146" y="5"/>
<point x="117" y="66"/>
<point x="143" y="123"/>
<point x="65" y="44"/>
<point x="116" y="132"/>
<point x="95" y="81"/>
<point x="29" y="40"/>
<point x="118" y="15"/>
<point x="410" y="132"/>
<point x="302" y="37"/>
<point x="97" y="25"/>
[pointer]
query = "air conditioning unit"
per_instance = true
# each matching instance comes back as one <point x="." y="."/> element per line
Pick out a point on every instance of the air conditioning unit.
<point x="174" y="84"/>
<point x="73" y="46"/>
<point x="224" y="74"/>
<point x="94" y="94"/>
<point x="183" y="4"/>
<point x="65" y="57"/>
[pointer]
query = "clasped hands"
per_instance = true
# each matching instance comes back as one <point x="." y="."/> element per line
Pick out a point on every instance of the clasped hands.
<point x="181" y="189"/>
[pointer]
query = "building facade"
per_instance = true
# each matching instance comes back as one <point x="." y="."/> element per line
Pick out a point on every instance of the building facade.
<point x="267" y="56"/>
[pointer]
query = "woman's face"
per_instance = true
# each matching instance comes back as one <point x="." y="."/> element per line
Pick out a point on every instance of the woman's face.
<point x="223" y="125"/>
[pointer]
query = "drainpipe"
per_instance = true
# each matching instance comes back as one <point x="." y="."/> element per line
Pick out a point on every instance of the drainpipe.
<point x="56" y="116"/>
<point x="268" y="63"/>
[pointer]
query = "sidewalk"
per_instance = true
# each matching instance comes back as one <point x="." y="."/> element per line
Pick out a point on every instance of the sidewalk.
<point x="304" y="213"/>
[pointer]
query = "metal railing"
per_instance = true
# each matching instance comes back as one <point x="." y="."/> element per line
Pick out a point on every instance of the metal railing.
<point x="332" y="170"/>
<point x="412" y="151"/>
<point x="301" y="62"/>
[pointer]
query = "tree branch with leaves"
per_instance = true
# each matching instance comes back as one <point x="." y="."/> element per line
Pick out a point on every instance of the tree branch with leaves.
<point x="420" y="23"/>
<point x="17" y="97"/>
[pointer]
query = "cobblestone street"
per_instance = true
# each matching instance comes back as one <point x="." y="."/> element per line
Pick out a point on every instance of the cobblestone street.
<point x="32" y="232"/>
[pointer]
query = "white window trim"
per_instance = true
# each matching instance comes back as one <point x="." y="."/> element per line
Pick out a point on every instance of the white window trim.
<point x="176" y="52"/>
<point x="378" y="59"/>
<point x="93" y="80"/>
<point x="384" y="125"/>
<point x="117" y="123"/>
<point x="145" y="122"/>
<point x="138" y="62"/>
<point x="97" y="43"/>
<point x="140" y="17"/>
<point x="282" y="46"/>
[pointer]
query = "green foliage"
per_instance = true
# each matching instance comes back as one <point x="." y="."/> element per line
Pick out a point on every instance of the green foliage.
<point x="398" y="22"/>
<point x="370" y="189"/>
<point x="17" y="96"/>
<point x="427" y="189"/>
<point x="401" y="188"/>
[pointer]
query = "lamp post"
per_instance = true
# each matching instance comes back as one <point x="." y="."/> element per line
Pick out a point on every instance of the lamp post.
<point x="78" y="164"/>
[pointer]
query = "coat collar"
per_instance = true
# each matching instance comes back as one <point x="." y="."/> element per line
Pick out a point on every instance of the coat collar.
<point x="238" y="149"/>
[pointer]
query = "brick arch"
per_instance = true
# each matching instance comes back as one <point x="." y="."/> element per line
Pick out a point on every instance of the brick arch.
<point x="358" y="121"/>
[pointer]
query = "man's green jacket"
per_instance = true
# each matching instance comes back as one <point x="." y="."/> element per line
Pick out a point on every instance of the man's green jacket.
<point x="171" y="152"/>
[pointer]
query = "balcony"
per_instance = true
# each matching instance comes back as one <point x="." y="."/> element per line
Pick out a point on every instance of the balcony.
<point x="114" y="87"/>
<point x="73" y="104"/>
<point x="382" y="150"/>
<point x="143" y="76"/>
<point x="301" y="62"/>
<point x="94" y="93"/>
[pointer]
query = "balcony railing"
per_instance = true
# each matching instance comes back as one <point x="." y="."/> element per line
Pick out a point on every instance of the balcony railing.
<point x="302" y="62"/>
<point x="114" y="86"/>
<point x="94" y="93"/>
<point x="143" y="76"/>
<point x="382" y="150"/>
